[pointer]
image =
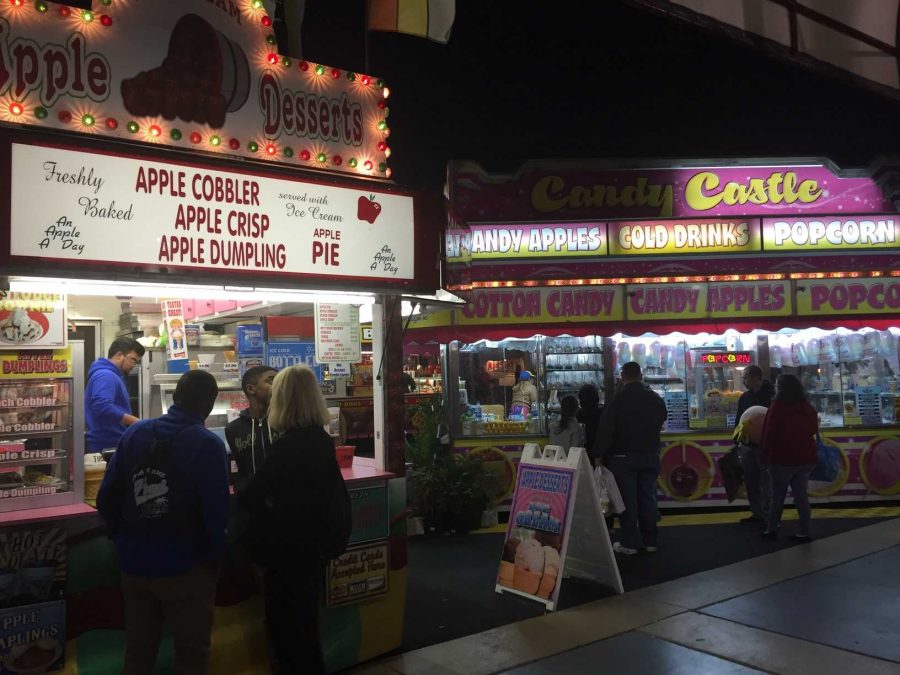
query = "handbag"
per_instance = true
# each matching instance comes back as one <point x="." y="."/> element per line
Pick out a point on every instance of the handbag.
<point x="732" y="473"/>
<point x="828" y="462"/>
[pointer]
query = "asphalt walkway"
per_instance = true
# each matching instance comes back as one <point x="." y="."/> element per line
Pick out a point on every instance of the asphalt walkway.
<point x="825" y="607"/>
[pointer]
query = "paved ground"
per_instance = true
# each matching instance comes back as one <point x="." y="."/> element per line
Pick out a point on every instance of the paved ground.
<point x="824" y="608"/>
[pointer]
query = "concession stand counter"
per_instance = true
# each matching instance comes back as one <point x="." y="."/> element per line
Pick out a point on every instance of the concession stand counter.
<point x="208" y="177"/>
<point x="695" y="271"/>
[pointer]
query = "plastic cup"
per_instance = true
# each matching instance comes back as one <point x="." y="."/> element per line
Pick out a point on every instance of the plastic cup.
<point x="344" y="455"/>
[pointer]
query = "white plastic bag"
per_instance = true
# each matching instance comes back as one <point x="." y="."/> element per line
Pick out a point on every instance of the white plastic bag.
<point x="606" y="481"/>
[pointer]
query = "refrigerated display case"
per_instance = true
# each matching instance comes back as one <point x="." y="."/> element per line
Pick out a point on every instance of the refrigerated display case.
<point x="41" y="437"/>
<point x="230" y="401"/>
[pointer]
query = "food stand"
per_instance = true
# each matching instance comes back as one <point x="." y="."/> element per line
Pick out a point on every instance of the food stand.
<point x="224" y="185"/>
<point x="694" y="270"/>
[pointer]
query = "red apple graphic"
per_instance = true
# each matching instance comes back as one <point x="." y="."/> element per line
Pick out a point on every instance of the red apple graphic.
<point x="368" y="209"/>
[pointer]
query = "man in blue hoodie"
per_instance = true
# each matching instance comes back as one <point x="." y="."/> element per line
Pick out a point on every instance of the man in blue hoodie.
<point x="107" y="408"/>
<point x="165" y="502"/>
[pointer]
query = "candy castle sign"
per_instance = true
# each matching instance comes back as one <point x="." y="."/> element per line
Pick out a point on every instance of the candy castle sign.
<point x="568" y="191"/>
<point x="207" y="77"/>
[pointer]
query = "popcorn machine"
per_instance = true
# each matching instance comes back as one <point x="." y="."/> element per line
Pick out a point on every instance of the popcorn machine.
<point x="717" y="385"/>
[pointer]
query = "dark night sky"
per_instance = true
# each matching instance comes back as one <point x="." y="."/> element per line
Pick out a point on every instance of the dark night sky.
<point x="595" y="79"/>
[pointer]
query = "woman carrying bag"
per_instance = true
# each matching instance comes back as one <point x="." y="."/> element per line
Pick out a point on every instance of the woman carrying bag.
<point x="788" y="447"/>
<point x="299" y="518"/>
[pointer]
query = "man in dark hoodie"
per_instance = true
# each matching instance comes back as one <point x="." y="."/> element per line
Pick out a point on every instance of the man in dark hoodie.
<point x="249" y="436"/>
<point x="759" y="392"/>
<point x="107" y="407"/>
<point x="164" y="498"/>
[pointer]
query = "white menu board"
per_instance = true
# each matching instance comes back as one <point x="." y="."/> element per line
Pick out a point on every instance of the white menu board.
<point x="337" y="333"/>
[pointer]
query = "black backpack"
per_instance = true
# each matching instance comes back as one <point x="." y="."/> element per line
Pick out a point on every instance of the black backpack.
<point x="149" y="502"/>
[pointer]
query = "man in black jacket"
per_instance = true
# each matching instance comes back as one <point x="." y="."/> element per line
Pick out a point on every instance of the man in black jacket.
<point x="628" y="440"/>
<point x="249" y="436"/>
<point x="759" y="392"/>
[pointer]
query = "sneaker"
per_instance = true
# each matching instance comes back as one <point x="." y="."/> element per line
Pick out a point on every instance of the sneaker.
<point x="752" y="519"/>
<point x="624" y="550"/>
<point x="769" y="534"/>
<point x="801" y="538"/>
<point x="651" y="549"/>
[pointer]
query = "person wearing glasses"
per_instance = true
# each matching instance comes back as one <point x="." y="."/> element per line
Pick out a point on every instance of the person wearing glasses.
<point x="107" y="408"/>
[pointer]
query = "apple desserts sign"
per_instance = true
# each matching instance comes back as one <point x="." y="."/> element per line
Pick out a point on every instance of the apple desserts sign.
<point x="207" y="76"/>
<point x="68" y="205"/>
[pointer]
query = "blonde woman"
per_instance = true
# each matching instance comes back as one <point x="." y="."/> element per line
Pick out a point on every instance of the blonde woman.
<point x="300" y="518"/>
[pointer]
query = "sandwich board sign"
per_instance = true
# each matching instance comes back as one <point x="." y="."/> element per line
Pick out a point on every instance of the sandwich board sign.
<point x="556" y="528"/>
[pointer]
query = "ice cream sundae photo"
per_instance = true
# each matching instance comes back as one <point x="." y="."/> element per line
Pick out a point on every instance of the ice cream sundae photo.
<point x="19" y="327"/>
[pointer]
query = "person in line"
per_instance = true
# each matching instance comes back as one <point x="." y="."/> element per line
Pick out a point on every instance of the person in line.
<point x="294" y="500"/>
<point x="589" y="415"/>
<point x="567" y="432"/>
<point x="628" y="442"/>
<point x="789" y="449"/>
<point x="759" y="392"/>
<point x="107" y="407"/>
<point x="164" y="498"/>
<point x="250" y="436"/>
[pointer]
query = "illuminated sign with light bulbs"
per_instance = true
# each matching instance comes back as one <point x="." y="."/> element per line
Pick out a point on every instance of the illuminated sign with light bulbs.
<point x="207" y="77"/>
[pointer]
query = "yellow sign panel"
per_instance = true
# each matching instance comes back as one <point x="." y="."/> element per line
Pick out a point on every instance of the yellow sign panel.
<point x="714" y="300"/>
<point x="35" y="363"/>
<point x="848" y="297"/>
<point x="536" y="240"/>
<point x="831" y="233"/>
<point x="684" y="237"/>
<point x="543" y="305"/>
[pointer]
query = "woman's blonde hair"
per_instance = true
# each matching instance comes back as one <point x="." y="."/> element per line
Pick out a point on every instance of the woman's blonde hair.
<point x="297" y="400"/>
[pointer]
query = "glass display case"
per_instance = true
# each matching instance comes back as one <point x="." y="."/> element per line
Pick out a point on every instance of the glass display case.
<point x="569" y="364"/>
<point x="698" y="376"/>
<point x="229" y="402"/>
<point x="852" y="378"/>
<point x="813" y="356"/>
<point x="425" y="371"/>
<point x="662" y="359"/>
<point x="487" y="373"/>
<point x="41" y="440"/>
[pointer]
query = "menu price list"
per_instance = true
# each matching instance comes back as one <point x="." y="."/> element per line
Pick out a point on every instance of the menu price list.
<point x="868" y="404"/>
<point x="677" y="411"/>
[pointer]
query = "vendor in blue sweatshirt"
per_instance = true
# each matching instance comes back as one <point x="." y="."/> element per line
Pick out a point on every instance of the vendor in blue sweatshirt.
<point x="167" y="513"/>
<point x="107" y="408"/>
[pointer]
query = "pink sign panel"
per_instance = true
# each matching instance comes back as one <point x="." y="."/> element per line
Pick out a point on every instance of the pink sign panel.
<point x="565" y="191"/>
<point x="531" y="562"/>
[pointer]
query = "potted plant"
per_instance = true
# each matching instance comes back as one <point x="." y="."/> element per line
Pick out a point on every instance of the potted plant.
<point x="448" y="490"/>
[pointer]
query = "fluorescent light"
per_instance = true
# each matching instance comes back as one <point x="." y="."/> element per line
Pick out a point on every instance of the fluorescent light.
<point x="190" y="292"/>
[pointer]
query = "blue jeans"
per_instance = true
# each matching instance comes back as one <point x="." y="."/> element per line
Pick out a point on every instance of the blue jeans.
<point x="757" y="481"/>
<point x="636" y="475"/>
<point x="797" y="477"/>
